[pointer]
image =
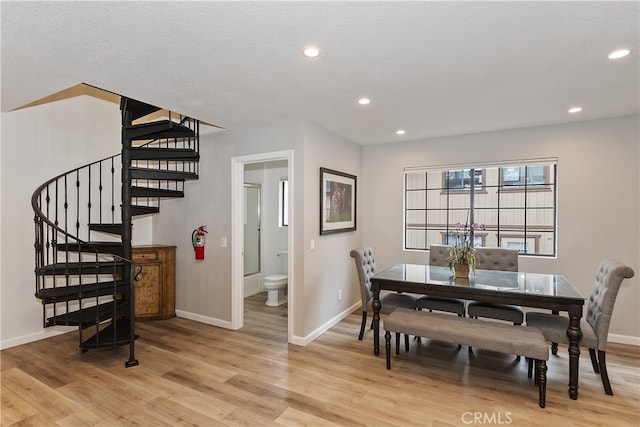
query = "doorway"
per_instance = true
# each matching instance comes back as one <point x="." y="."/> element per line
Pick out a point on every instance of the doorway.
<point x="238" y="234"/>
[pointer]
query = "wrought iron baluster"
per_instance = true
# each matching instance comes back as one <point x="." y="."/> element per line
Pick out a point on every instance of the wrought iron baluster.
<point x="77" y="207"/>
<point x="113" y="201"/>
<point x="100" y="188"/>
<point x="89" y="203"/>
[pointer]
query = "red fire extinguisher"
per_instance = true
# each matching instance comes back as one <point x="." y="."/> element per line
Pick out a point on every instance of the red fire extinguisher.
<point x="197" y="239"/>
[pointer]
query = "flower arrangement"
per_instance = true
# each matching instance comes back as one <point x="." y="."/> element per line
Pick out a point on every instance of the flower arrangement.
<point x="463" y="252"/>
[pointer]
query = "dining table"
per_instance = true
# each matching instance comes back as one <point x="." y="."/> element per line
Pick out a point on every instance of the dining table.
<point x="535" y="290"/>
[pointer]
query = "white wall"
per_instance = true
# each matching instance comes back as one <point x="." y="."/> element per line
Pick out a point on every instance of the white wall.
<point x="598" y="193"/>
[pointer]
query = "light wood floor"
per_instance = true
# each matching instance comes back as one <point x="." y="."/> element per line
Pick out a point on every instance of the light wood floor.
<point x="194" y="374"/>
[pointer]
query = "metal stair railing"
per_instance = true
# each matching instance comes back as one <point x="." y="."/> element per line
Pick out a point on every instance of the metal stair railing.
<point x="69" y="267"/>
<point x="66" y="206"/>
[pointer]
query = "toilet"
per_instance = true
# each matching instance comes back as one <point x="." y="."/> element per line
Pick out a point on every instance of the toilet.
<point x="276" y="284"/>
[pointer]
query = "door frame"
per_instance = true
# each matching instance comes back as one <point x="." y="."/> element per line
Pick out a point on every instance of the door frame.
<point x="237" y="235"/>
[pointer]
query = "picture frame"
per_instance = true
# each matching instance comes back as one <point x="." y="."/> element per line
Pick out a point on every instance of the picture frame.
<point x="337" y="201"/>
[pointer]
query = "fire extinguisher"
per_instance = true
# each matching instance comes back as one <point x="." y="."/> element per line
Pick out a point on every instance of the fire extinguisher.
<point x="197" y="239"/>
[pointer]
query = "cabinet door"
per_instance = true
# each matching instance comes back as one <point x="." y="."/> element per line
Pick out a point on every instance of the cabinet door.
<point x="149" y="290"/>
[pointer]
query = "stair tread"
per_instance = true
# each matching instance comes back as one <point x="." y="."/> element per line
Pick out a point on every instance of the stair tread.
<point x="91" y="315"/>
<point x="155" y="192"/>
<point x="114" y="248"/>
<point x="168" y="175"/>
<point x="75" y="267"/>
<point x="67" y="293"/>
<point x="159" y="129"/>
<point x="91" y="243"/>
<point x="115" y="334"/>
<point x="144" y="210"/>
<point x="107" y="228"/>
<point x="154" y="153"/>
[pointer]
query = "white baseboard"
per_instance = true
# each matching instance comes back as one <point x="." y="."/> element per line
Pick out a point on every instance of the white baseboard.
<point x="41" y="335"/>
<point x="624" y="339"/>
<point x="303" y="341"/>
<point x="204" y="319"/>
<point x="296" y="340"/>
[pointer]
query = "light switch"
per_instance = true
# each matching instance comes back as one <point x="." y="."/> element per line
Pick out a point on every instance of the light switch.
<point x="223" y="242"/>
<point x="313" y="245"/>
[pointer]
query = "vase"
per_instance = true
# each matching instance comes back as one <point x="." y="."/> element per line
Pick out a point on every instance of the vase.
<point x="461" y="270"/>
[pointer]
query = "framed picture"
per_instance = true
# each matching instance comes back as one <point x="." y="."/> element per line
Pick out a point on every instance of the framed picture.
<point x="337" y="201"/>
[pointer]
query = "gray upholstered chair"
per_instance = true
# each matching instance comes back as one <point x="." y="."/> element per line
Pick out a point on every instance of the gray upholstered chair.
<point x="496" y="259"/>
<point x="366" y="267"/>
<point x="438" y="257"/>
<point x="595" y="325"/>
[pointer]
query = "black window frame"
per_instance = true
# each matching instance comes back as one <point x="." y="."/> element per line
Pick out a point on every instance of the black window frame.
<point x="420" y="229"/>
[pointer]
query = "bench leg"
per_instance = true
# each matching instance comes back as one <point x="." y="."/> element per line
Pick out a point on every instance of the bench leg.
<point x="387" y="346"/>
<point x="530" y="367"/>
<point x="397" y="343"/>
<point x="541" y="371"/>
<point x="406" y="342"/>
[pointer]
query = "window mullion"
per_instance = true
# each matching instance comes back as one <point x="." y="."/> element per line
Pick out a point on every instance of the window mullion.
<point x="472" y="193"/>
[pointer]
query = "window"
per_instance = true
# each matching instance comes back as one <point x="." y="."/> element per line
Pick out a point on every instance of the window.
<point x="516" y="202"/>
<point x="450" y="239"/>
<point x="461" y="179"/>
<point x="524" y="176"/>
<point x="528" y="245"/>
<point x="283" y="203"/>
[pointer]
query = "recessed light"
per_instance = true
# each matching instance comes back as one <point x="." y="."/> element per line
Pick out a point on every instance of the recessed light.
<point x="620" y="53"/>
<point x="311" y="52"/>
<point x="364" y="101"/>
<point x="400" y="132"/>
<point x="575" y="109"/>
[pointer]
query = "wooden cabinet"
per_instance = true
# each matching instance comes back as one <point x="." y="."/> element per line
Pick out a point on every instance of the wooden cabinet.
<point x="156" y="285"/>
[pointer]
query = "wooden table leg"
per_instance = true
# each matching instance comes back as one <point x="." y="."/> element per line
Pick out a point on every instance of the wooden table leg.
<point x="376" y="321"/>
<point x="574" y="333"/>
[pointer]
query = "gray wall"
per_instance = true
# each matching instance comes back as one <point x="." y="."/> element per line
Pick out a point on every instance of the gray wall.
<point x="598" y="193"/>
<point x="204" y="288"/>
<point x="598" y="210"/>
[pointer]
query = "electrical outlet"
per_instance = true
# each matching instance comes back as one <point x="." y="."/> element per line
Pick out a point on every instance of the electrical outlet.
<point x="339" y="294"/>
<point x="223" y="242"/>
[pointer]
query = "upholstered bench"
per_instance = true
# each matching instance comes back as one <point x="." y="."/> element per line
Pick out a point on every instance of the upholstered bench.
<point x="504" y="338"/>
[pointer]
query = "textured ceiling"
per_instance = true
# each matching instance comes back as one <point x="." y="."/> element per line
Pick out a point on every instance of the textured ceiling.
<point x="432" y="68"/>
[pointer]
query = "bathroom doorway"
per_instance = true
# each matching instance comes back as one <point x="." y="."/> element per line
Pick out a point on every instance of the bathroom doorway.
<point x="244" y="170"/>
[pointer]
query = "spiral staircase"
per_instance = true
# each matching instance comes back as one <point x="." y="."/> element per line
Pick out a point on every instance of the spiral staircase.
<point x="85" y="275"/>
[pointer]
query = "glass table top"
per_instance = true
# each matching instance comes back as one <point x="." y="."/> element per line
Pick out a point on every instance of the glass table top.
<point x="503" y="281"/>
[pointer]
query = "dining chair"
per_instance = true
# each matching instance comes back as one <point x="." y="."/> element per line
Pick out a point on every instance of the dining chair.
<point x="595" y="325"/>
<point x="496" y="259"/>
<point x="438" y="257"/>
<point x="366" y="267"/>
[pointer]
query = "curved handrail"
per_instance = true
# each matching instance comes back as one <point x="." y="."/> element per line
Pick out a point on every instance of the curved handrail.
<point x="35" y="204"/>
<point x="35" y="198"/>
